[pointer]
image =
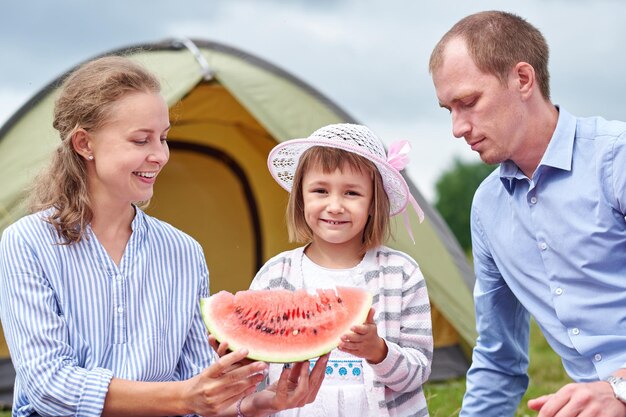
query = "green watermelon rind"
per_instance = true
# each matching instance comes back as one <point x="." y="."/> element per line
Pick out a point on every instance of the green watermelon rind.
<point x="282" y="357"/>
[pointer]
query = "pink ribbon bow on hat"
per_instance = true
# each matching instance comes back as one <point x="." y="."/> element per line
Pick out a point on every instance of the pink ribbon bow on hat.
<point x="398" y="157"/>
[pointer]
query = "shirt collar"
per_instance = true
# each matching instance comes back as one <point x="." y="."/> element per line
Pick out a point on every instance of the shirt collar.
<point x="558" y="154"/>
<point x="138" y="224"/>
<point x="561" y="147"/>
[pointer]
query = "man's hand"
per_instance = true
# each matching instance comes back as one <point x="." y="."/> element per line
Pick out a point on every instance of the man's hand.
<point x="580" y="399"/>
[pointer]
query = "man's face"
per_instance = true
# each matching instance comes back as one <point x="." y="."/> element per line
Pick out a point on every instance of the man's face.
<point x="486" y="113"/>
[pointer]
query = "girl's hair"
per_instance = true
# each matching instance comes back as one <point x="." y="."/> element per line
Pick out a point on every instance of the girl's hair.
<point x="329" y="159"/>
<point x="497" y="41"/>
<point x="85" y="101"/>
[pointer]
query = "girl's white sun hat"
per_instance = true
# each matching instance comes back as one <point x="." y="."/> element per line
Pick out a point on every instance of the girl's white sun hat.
<point x="283" y="160"/>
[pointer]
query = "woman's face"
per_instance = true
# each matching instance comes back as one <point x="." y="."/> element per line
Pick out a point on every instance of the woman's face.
<point x="129" y="150"/>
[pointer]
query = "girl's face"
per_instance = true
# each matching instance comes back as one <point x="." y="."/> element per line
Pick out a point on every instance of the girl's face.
<point x="337" y="205"/>
<point x="129" y="150"/>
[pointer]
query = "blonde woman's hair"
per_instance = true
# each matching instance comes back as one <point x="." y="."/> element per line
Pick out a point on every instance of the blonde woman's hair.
<point x="85" y="101"/>
<point x="377" y="229"/>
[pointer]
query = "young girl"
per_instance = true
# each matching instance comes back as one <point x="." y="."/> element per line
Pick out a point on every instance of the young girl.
<point x="343" y="191"/>
<point x="99" y="301"/>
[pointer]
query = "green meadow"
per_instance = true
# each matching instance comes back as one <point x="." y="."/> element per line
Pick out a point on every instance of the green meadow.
<point x="546" y="376"/>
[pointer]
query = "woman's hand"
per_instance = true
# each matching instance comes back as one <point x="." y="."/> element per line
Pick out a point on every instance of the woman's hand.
<point x="222" y="384"/>
<point x="363" y="341"/>
<point x="222" y="348"/>
<point x="219" y="348"/>
<point x="296" y="387"/>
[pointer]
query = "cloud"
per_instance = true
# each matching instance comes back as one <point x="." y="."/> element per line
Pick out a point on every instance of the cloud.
<point x="433" y="149"/>
<point x="368" y="56"/>
<point x="11" y="99"/>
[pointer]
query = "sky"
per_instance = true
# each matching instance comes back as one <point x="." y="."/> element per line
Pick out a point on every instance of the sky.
<point x="370" y="57"/>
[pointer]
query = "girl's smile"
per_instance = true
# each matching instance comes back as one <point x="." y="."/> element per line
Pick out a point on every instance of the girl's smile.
<point x="337" y="205"/>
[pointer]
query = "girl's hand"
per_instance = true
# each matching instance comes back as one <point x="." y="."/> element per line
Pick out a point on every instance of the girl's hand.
<point x="296" y="387"/>
<point x="363" y="341"/>
<point x="222" y="384"/>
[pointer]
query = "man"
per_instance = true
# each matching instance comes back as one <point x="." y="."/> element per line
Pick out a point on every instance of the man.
<point x="548" y="226"/>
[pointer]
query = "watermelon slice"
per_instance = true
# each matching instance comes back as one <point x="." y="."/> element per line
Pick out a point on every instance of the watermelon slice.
<point x="284" y="326"/>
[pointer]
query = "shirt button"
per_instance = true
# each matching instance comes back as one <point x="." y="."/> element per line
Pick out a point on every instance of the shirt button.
<point x="597" y="357"/>
<point x="120" y="309"/>
<point x="575" y="330"/>
<point x="559" y="291"/>
<point x="119" y="277"/>
<point x="543" y="246"/>
<point x="533" y="200"/>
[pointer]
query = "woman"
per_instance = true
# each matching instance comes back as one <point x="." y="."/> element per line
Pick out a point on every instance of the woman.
<point x="99" y="301"/>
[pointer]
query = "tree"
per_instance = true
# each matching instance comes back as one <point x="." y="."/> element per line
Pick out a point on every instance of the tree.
<point x="454" y="193"/>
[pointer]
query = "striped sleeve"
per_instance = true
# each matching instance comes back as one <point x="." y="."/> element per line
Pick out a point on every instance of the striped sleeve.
<point x="193" y="357"/>
<point x="409" y="337"/>
<point x="37" y="334"/>
<point x="273" y="275"/>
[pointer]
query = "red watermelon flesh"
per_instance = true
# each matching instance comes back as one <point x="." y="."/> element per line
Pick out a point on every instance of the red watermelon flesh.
<point x="285" y="326"/>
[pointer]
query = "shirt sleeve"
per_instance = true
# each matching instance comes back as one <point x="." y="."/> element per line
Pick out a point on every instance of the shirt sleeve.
<point x="408" y="362"/>
<point x="613" y="177"/>
<point x="613" y="173"/>
<point x="261" y="280"/>
<point x="274" y="274"/>
<point x="497" y="378"/>
<point x="46" y="367"/>
<point x="196" y="354"/>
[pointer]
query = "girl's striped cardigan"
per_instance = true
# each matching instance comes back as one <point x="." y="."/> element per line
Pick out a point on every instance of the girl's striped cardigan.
<point x="394" y="386"/>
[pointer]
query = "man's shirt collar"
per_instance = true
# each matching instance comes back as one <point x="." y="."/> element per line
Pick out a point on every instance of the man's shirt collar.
<point x="558" y="154"/>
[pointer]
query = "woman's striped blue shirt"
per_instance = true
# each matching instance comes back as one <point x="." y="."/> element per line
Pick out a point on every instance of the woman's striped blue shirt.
<point x="73" y="319"/>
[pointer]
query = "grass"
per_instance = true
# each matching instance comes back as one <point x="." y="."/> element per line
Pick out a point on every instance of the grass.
<point x="546" y="376"/>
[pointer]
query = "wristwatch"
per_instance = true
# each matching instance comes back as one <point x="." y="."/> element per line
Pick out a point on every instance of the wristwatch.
<point x="619" y="387"/>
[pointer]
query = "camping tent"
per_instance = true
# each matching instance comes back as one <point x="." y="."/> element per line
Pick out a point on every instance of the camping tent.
<point x="228" y="109"/>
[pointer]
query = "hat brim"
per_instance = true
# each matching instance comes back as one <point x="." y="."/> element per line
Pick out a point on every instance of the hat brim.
<point x="283" y="161"/>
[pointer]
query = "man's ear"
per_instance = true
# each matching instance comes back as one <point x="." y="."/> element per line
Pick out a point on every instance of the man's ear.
<point x="524" y="76"/>
<point x="81" y="142"/>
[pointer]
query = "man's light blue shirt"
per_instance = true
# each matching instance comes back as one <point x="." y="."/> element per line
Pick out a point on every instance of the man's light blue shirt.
<point x="554" y="247"/>
<point x="74" y="319"/>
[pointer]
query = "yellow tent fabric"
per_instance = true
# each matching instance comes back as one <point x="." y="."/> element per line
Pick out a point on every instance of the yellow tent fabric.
<point x="216" y="186"/>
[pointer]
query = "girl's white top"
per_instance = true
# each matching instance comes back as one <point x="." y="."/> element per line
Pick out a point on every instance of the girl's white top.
<point x="343" y="392"/>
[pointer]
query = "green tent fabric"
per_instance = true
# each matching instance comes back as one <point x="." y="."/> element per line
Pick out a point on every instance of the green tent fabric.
<point x="228" y="109"/>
